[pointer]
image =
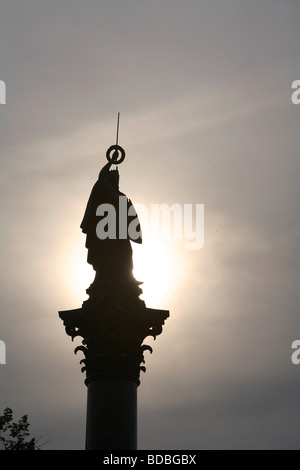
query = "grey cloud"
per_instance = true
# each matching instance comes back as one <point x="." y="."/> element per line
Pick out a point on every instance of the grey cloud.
<point x="206" y="117"/>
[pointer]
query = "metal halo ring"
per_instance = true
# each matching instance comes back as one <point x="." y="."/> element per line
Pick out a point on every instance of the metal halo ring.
<point x="113" y="158"/>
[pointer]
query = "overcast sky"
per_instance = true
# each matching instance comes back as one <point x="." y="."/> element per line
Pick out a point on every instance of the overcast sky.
<point x="204" y="91"/>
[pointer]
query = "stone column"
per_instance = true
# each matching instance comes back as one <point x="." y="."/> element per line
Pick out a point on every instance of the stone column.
<point x="111" y="422"/>
<point x="113" y="323"/>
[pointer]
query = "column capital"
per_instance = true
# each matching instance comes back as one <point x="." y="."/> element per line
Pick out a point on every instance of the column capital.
<point x="113" y="323"/>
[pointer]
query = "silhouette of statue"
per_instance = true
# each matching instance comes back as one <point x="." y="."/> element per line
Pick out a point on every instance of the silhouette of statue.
<point x="111" y="258"/>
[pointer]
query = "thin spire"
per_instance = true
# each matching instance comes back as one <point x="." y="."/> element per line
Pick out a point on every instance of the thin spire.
<point x="118" y="121"/>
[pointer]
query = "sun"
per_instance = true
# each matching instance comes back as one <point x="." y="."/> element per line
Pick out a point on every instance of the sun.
<point x="78" y="273"/>
<point x="153" y="267"/>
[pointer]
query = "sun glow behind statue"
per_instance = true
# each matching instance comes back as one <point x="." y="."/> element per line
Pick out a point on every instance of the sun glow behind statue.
<point x="153" y="267"/>
<point x="153" y="264"/>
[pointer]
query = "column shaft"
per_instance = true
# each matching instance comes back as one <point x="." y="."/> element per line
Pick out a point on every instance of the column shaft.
<point x="111" y="414"/>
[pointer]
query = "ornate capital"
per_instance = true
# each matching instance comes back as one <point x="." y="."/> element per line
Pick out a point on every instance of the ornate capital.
<point x="113" y="323"/>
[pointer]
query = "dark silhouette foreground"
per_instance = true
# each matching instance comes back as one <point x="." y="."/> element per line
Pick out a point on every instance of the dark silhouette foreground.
<point x="15" y="435"/>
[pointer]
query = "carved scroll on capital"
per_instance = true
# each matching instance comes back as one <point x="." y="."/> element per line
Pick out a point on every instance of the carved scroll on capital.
<point x="113" y="336"/>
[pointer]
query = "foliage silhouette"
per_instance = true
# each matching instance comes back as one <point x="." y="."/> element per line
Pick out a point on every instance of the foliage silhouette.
<point x="15" y="435"/>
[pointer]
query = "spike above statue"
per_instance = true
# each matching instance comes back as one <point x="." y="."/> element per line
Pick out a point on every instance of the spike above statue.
<point x="115" y="153"/>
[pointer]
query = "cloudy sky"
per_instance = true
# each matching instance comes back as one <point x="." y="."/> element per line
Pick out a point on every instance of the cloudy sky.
<point x="204" y="91"/>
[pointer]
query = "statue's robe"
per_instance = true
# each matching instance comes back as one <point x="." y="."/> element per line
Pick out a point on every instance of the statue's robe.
<point x="110" y="258"/>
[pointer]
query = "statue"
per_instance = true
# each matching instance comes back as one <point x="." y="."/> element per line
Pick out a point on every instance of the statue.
<point x="111" y="258"/>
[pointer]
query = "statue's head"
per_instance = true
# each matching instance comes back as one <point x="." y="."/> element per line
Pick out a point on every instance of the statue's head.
<point x="112" y="179"/>
<point x="109" y="178"/>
